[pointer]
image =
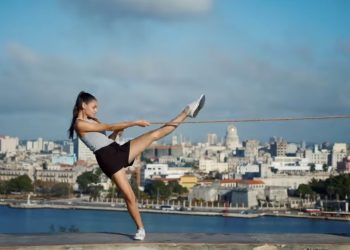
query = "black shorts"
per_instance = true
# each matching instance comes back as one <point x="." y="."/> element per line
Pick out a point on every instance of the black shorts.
<point x="113" y="157"/>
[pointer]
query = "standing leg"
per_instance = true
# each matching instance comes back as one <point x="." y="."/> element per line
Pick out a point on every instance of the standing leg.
<point x="139" y="144"/>
<point x="121" y="180"/>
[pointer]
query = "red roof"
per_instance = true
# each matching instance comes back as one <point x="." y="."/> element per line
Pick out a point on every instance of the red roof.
<point x="206" y="181"/>
<point x="230" y="181"/>
<point x="251" y="182"/>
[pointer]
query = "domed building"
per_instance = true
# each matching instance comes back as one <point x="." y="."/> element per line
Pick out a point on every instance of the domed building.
<point x="231" y="138"/>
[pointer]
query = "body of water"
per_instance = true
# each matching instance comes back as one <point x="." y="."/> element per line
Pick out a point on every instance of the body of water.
<point x="16" y="220"/>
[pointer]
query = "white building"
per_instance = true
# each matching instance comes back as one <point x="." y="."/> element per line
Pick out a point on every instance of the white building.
<point x="63" y="159"/>
<point x="317" y="157"/>
<point x="284" y="163"/>
<point x="82" y="152"/>
<point x="245" y="197"/>
<point x="232" y="139"/>
<point x="8" y="144"/>
<point x="35" y="146"/>
<point x="207" y="193"/>
<point x="212" y="139"/>
<point x="291" y="148"/>
<point x="251" y="148"/>
<point x="163" y="170"/>
<point x="48" y="146"/>
<point x="208" y="165"/>
<point x="152" y="170"/>
<point x="293" y="181"/>
<point x="68" y="147"/>
<point x="250" y="168"/>
<point x="339" y="152"/>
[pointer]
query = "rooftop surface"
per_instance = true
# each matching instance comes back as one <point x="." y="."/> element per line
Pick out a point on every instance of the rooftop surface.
<point x="165" y="241"/>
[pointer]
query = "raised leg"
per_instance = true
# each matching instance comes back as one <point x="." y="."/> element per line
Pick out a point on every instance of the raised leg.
<point x="140" y="143"/>
<point x="121" y="180"/>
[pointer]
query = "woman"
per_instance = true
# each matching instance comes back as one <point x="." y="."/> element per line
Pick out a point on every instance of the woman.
<point x="112" y="157"/>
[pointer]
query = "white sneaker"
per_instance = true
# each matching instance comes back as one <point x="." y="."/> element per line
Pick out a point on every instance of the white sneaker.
<point x="193" y="108"/>
<point x="140" y="234"/>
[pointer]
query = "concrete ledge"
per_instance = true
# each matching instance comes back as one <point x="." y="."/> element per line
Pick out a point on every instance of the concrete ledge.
<point x="164" y="241"/>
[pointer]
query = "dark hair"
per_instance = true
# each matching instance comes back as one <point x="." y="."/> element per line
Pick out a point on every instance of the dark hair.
<point x="82" y="97"/>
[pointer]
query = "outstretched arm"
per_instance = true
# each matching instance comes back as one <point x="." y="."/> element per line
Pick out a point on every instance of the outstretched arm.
<point x="83" y="126"/>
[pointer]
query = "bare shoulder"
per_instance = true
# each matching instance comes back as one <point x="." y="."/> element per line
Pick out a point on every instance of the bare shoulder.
<point x="78" y="126"/>
<point x="82" y="126"/>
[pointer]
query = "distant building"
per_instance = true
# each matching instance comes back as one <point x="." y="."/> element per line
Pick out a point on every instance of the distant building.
<point x="153" y="170"/>
<point x="229" y="183"/>
<point x="208" y="193"/>
<point x="208" y="165"/>
<point x="8" y="174"/>
<point x="344" y="166"/>
<point x="291" y="149"/>
<point x="251" y="149"/>
<point x="63" y="159"/>
<point x="8" y="144"/>
<point x="276" y="193"/>
<point x="60" y="176"/>
<point x="339" y="152"/>
<point x="279" y="148"/>
<point x="157" y="170"/>
<point x="156" y="151"/>
<point x="246" y="193"/>
<point x="244" y="197"/>
<point x="188" y="181"/>
<point x="232" y="139"/>
<point x="290" y="164"/>
<point x="317" y="157"/>
<point x="68" y="147"/>
<point x="174" y="140"/>
<point x="212" y="139"/>
<point x="35" y="146"/>
<point x="82" y="152"/>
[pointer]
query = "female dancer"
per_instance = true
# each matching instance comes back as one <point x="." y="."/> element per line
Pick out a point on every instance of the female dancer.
<point x="112" y="157"/>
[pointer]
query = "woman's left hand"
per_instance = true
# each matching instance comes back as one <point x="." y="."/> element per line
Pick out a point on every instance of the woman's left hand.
<point x="118" y="132"/>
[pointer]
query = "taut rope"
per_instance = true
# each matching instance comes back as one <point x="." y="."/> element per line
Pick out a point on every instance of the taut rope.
<point x="280" y="119"/>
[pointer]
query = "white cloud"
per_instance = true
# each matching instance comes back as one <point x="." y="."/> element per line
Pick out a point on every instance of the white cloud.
<point x="158" y="86"/>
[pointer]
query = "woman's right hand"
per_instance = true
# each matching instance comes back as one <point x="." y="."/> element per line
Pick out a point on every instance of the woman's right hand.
<point x="142" y="123"/>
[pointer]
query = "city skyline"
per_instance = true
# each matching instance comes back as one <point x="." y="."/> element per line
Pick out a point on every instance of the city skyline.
<point x="142" y="61"/>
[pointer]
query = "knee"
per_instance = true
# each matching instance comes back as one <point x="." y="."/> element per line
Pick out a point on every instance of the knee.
<point x="130" y="198"/>
<point x="155" y="135"/>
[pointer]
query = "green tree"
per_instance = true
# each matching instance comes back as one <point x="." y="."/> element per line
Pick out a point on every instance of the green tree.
<point x="333" y="186"/>
<point x="325" y="167"/>
<point x="304" y="189"/>
<point x="61" y="190"/>
<point x="2" y="156"/>
<point x="175" y="188"/>
<point x="87" y="178"/>
<point x="19" y="184"/>
<point x="153" y="188"/>
<point x="2" y="187"/>
<point x="312" y="167"/>
<point x="95" y="191"/>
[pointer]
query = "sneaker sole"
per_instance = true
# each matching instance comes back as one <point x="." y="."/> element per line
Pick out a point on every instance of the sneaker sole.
<point x="200" y="106"/>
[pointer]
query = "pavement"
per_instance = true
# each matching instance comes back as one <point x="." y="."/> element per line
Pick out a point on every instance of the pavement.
<point x="174" y="241"/>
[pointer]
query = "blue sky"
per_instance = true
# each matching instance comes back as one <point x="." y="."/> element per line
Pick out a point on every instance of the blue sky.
<point x="148" y="59"/>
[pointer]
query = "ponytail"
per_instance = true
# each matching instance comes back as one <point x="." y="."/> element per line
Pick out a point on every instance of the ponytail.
<point x="83" y="97"/>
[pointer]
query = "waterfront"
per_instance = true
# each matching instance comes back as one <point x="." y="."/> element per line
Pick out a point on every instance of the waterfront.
<point x="43" y="220"/>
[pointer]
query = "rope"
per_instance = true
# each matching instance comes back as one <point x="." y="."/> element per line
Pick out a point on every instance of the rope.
<point x="280" y="119"/>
